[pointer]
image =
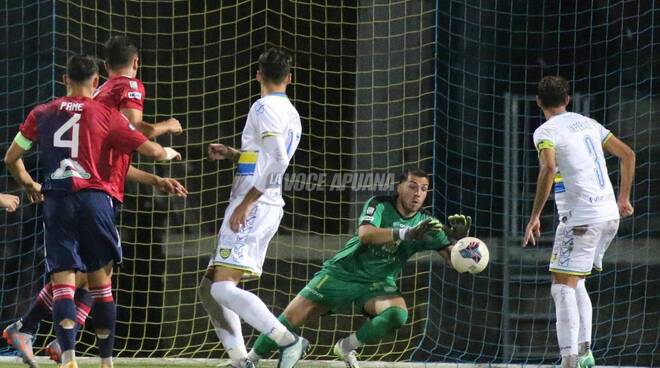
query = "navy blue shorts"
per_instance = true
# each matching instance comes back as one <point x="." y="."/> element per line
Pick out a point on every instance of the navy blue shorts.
<point x="80" y="232"/>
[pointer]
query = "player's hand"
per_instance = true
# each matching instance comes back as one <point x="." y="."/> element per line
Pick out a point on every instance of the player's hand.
<point x="218" y="151"/>
<point x="9" y="202"/>
<point x="458" y="227"/>
<point x="239" y="217"/>
<point x="173" y="126"/>
<point x="33" y="192"/>
<point x="625" y="208"/>
<point x="533" y="231"/>
<point x="171" y="186"/>
<point x="419" y="231"/>
<point x="171" y="154"/>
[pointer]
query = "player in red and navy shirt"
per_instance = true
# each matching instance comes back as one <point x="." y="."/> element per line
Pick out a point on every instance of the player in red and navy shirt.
<point x="75" y="135"/>
<point x="122" y="92"/>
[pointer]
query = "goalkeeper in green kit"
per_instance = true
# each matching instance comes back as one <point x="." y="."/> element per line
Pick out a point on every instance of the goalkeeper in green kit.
<point x="364" y="272"/>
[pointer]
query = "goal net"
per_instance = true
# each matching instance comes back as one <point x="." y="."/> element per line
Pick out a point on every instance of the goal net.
<point x="447" y="86"/>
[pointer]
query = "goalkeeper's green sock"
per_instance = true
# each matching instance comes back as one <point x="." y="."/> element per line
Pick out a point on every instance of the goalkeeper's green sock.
<point x="264" y="346"/>
<point x="378" y="327"/>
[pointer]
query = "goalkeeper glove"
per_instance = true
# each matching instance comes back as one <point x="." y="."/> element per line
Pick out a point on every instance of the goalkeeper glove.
<point x="418" y="231"/>
<point x="458" y="228"/>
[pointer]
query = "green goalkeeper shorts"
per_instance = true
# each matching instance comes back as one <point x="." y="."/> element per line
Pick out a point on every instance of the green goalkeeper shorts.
<point x="339" y="296"/>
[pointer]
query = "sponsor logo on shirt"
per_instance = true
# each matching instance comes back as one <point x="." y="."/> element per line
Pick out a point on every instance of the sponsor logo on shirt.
<point x="135" y="95"/>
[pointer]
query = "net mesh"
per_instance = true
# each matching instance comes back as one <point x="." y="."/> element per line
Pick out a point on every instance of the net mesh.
<point x="491" y="55"/>
<point x="379" y="85"/>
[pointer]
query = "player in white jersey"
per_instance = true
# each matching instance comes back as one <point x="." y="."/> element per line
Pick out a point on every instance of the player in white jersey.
<point x="269" y="140"/>
<point x="570" y="148"/>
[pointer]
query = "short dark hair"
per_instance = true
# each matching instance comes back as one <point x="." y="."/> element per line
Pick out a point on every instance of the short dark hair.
<point x="552" y="91"/>
<point x="412" y="171"/>
<point x="119" y="51"/>
<point x="275" y="65"/>
<point x="80" y="68"/>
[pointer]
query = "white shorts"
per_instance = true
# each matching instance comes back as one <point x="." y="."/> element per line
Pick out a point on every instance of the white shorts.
<point x="246" y="250"/>
<point x="578" y="249"/>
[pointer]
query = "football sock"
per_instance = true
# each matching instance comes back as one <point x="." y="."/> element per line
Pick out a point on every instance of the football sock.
<point x="64" y="319"/>
<point x="264" y="346"/>
<point x="586" y="312"/>
<point x="568" y="319"/>
<point x="105" y="315"/>
<point x="252" y="310"/>
<point x="40" y="309"/>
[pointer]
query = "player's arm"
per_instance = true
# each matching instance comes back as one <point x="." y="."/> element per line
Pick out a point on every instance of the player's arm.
<point x="165" y="185"/>
<point x="158" y="152"/>
<point x="371" y="233"/>
<point x="169" y="126"/>
<point x="14" y="163"/>
<point x="548" y="168"/>
<point x="273" y="148"/>
<point x="626" y="156"/>
<point x="218" y="151"/>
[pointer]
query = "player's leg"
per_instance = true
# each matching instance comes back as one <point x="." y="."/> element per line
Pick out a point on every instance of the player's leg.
<point x="606" y="231"/>
<point x="83" y="300"/>
<point x="64" y="313"/>
<point x="226" y="323"/>
<point x="100" y="249"/>
<point x="572" y="259"/>
<point x="247" y="305"/>
<point x="21" y="333"/>
<point x="104" y="312"/>
<point x="389" y="314"/>
<point x="297" y="313"/>
<point x="243" y="253"/>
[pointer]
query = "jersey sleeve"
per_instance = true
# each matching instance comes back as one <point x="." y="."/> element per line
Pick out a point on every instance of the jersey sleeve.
<point x="603" y="132"/>
<point x="372" y="213"/>
<point x="123" y="135"/>
<point x="132" y="96"/>
<point x="27" y="132"/>
<point x="544" y="139"/>
<point x="438" y="241"/>
<point x="269" y="124"/>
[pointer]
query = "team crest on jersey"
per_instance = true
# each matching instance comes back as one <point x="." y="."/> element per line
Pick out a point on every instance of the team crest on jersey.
<point x="370" y="211"/>
<point x="225" y="253"/>
<point x="133" y="84"/>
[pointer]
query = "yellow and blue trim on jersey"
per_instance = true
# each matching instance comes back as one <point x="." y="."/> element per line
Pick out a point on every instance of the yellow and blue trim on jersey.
<point x="269" y="134"/>
<point x="22" y="142"/>
<point x="607" y="138"/>
<point x="247" y="162"/>
<point x="545" y="144"/>
<point x="559" y="184"/>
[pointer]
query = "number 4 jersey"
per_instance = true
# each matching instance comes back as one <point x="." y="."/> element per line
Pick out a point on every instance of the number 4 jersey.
<point x="583" y="191"/>
<point x="75" y="136"/>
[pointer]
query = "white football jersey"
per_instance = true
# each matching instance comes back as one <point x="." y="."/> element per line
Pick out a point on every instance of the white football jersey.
<point x="270" y="115"/>
<point x="583" y="191"/>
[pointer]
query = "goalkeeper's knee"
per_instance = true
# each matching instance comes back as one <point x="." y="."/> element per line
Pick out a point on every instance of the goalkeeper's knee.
<point x="395" y="317"/>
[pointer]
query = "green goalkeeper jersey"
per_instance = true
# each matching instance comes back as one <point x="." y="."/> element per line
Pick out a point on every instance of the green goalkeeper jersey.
<point x="372" y="263"/>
